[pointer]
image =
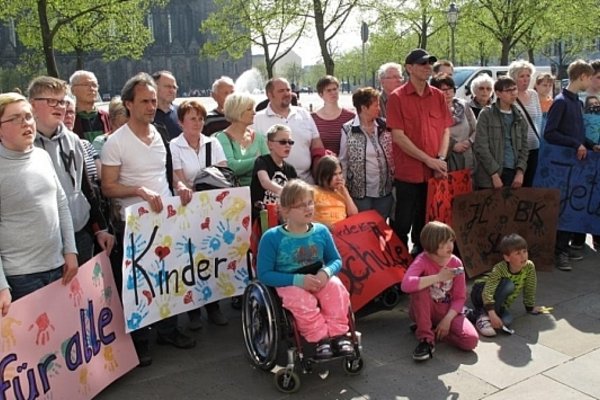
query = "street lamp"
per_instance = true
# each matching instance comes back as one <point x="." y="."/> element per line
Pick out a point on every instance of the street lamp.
<point x="452" y="18"/>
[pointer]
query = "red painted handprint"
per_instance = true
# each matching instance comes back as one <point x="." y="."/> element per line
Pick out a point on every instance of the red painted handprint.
<point x="43" y="323"/>
<point x="75" y="292"/>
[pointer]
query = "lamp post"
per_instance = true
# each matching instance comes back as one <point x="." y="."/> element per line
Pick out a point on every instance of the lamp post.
<point x="364" y="36"/>
<point x="452" y="17"/>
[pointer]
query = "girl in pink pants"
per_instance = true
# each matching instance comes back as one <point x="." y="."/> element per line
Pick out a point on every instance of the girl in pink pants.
<point x="436" y="283"/>
<point x="300" y="260"/>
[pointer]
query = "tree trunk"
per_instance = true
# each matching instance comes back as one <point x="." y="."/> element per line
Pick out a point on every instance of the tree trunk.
<point x="505" y="51"/>
<point x="80" y="56"/>
<point x="320" y="28"/>
<point x="47" y="39"/>
<point x="531" y="56"/>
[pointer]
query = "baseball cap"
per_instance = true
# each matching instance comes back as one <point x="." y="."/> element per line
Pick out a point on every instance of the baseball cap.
<point x="419" y="56"/>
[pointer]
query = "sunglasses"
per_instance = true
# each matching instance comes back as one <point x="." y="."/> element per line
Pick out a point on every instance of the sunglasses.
<point x="283" y="142"/>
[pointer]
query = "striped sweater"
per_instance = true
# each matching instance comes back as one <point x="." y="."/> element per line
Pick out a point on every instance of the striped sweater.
<point x="524" y="280"/>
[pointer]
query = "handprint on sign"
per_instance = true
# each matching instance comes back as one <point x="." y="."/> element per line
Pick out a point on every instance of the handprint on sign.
<point x="97" y="275"/>
<point x="75" y="292"/>
<point x="138" y="243"/>
<point x="239" y="250"/>
<point x="53" y="367"/>
<point x="228" y="235"/>
<point x="110" y="364"/>
<point x="211" y="243"/>
<point x="205" y="201"/>
<point x="6" y="333"/>
<point x="164" y="306"/>
<point x="185" y="246"/>
<point x="133" y="222"/>
<point x="184" y="212"/>
<point x="137" y="317"/>
<point x="226" y="286"/>
<point x="241" y="275"/>
<point x="107" y="295"/>
<point x="203" y="291"/>
<point x="43" y="334"/>
<point x="237" y="206"/>
<point x="84" y="374"/>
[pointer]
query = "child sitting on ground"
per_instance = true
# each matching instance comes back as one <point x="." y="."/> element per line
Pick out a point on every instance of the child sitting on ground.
<point x="271" y="172"/>
<point x="493" y="294"/>
<point x="436" y="283"/>
<point x="300" y="260"/>
<point x="333" y="202"/>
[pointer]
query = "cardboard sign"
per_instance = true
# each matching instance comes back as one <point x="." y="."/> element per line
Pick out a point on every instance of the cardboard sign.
<point x="441" y="193"/>
<point x="483" y="217"/>
<point x="577" y="181"/>
<point x="184" y="257"/>
<point x="66" y="342"/>
<point x="373" y="257"/>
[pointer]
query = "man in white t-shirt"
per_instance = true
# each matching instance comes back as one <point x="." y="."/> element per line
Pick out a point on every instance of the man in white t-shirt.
<point x="134" y="169"/>
<point x="308" y="147"/>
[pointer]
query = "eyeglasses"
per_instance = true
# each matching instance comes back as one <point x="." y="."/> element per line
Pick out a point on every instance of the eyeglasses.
<point x="283" y="142"/>
<point x="52" y="102"/>
<point x="91" y="85"/>
<point x="19" y="120"/>
<point x="512" y="89"/>
<point x="305" y="205"/>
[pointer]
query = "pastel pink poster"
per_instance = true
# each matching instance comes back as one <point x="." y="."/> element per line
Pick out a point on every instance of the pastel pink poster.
<point x="66" y="342"/>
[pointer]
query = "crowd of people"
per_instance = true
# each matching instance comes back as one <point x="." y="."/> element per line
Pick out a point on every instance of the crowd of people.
<point x="69" y="170"/>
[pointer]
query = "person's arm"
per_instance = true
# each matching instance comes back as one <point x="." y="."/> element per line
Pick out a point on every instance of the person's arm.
<point x="522" y="156"/>
<point x="414" y="280"/>
<point x="530" y="287"/>
<point x="481" y="147"/>
<point x="351" y="208"/>
<point x="332" y="261"/>
<point x="5" y="297"/>
<point x="267" y="260"/>
<point x="267" y="183"/>
<point x="407" y="146"/>
<point x="113" y="189"/>
<point x="67" y="234"/>
<point x="218" y="156"/>
<point x="553" y="133"/>
<point x="240" y="167"/>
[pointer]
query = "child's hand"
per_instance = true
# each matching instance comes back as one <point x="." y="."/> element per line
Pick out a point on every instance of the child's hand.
<point x="495" y="320"/>
<point x="442" y="329"/>
<point x="311" y="283"/>
<point x="5" y="299"/>
<point x="445" y="274"/>
<point x="323" y="278"/>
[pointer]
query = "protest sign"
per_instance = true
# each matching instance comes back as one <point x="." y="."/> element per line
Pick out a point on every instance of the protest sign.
<point x="483" y="217"/>
<point x="577" y="180"/>
<point x="373" y="257"/>
<point x="66" y="342"/>
<point x="441" y="193"/>
<point x="185" y="256"/>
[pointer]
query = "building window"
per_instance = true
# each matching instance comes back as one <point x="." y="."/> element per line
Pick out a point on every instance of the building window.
<point x="170" y="32"/>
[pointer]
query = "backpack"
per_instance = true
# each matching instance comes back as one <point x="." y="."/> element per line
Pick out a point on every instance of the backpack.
<point x="214" y="176"/>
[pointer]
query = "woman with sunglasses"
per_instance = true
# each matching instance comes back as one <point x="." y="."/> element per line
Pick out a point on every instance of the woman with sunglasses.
<point x="366" y="155"/>
<point x="271" y="172"/>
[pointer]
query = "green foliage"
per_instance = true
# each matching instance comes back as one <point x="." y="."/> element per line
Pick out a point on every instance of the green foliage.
<point x="273" y="25"/>
<point x="114" y="28"/>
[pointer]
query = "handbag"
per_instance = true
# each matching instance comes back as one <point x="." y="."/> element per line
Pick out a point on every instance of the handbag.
<point x="214" y="176"/>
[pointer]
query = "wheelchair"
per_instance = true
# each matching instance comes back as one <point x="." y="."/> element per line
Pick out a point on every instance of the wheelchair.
<point x="271" y="339"/>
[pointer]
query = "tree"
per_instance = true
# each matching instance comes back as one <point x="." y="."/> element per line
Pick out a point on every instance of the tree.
<point x="329" y="16"/>
<point x="273" y="25"/>
<point x="51" y="25"/>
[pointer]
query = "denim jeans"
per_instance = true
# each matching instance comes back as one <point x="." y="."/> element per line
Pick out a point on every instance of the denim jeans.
<point x="504" y="289"/>
<point x="22" y="285"/>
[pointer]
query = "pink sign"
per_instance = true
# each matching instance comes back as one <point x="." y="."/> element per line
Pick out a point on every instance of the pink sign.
<point x="66" y="342"/>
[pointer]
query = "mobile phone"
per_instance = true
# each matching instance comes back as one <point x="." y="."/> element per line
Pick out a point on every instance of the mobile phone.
<point x="458" y="271"/>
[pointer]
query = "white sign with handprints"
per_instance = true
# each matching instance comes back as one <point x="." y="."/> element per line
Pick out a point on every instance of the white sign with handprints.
<point x="184" y="256"/>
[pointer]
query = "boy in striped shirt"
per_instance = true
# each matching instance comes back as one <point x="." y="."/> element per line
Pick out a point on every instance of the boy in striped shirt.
<point x="493" y="294"/>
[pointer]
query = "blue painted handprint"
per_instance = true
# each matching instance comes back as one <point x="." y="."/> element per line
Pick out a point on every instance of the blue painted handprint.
<point x="185" y="246"/>
<point x="137" y="317"/>
<point x="138" y="243"/>
<point x="241" y="275"/>
<point x="203" y="291"/>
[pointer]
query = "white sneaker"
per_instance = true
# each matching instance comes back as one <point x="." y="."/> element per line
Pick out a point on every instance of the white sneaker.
<point x="484" y="326"/>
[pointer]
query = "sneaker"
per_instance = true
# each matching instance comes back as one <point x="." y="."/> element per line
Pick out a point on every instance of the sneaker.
<point x="423" y="351"/>
<point x="563" y="263"/>
<point x="216" y="316"/>
<point x="576" y="246"/>
<point x="236" y="302"/>
<point x="195" y="317"/>
<point x="143" y="352"/>
<point x="342" y="346"/>
<point x="469" y="314"/>
<point x="176" y="339"/>
<point x="484" y="326"/>
<point x="323" y="350"/>
<point x="575" y="254"/>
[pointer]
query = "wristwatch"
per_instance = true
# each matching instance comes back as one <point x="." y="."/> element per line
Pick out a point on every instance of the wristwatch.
<point x="441" y="157"/>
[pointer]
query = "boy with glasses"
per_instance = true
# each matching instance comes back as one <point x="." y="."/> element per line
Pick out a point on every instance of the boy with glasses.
<point x="500" y="144"/>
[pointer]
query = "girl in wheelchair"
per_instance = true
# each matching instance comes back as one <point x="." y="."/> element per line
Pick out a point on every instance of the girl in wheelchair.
<point x="300" y="260"/>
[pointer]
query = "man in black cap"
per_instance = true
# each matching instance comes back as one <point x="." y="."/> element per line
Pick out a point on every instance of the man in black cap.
<point x="419" y="119"/>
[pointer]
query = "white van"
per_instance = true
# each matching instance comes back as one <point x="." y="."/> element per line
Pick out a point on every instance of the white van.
<point x="463" y="76"/>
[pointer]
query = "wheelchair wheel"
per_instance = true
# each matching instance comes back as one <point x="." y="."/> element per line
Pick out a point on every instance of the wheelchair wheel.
<point x="390" y="298"/>
<point x="261" y="331"/>
<point x="353" y="365"/>
<point x="287" y="381"/>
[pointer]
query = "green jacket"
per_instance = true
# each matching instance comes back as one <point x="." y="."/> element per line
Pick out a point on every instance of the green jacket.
<point x="489" y="144"/>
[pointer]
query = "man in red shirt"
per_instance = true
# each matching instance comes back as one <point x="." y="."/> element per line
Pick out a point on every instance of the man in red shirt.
<point x="419" y="119"/>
